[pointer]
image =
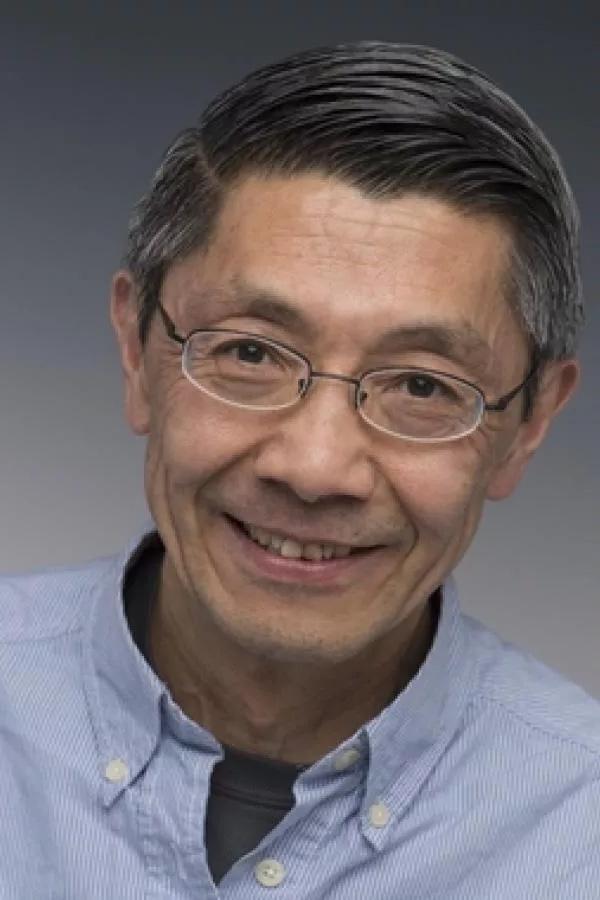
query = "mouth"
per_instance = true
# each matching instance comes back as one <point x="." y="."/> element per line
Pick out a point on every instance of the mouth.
<point x="279" y="545"/>
<point x="281" y="558"/>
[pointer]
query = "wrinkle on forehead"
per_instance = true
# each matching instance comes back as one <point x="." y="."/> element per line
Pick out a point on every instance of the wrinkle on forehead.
<point x="324" y="204"/>
<point x="328" y="211"/>
<point x="326" y="220"/>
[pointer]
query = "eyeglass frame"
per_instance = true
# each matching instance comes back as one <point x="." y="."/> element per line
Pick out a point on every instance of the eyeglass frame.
<point x="499" y="406"/>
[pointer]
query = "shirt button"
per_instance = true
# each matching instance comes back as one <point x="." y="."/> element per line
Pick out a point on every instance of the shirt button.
<point x="346" y="759"/>
<point x="269" y="872"/>
<point x="116" y="770"/>
<point x="379" y="815"/>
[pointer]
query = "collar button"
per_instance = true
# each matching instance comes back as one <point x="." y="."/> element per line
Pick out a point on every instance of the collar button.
<point x="379" y="815"/>
<point x="346" y="759"/>
<point x="116" y="770"/>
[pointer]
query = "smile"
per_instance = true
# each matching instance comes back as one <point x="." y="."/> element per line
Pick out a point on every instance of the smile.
<point x="281" y="558"/>
<point x="291" y="549"/>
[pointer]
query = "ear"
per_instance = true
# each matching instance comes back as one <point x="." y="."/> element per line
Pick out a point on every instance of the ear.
<point x="124" y="318"/>
<point x="558" y="382"/>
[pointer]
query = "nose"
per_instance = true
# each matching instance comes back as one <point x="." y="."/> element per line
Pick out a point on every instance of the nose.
<point x="320" y="447"/>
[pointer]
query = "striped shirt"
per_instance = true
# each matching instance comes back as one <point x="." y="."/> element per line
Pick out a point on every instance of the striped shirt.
<point x="479" y="781"/>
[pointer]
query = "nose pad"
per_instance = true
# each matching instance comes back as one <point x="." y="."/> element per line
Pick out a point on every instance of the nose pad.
<point x="303" y="385"/>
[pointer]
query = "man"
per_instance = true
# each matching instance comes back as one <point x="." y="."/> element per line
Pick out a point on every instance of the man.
<point x="348" y="317"/>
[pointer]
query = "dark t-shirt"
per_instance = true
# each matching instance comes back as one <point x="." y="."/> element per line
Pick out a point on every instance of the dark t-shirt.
<point x="249" y="795"/>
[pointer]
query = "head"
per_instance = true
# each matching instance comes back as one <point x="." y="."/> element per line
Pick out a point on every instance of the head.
<point x="326" y="202"/>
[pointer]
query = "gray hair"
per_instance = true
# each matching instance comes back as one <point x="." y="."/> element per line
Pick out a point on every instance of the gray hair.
<point x="388" y="119"/>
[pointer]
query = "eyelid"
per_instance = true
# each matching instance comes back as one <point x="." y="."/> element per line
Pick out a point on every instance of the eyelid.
<point x="435" y="374"/>
<point x="433" y="362"/>
<point x="475" y="378"/>
<point x="256" y="327"/>
<point x="229" y="332"/>
<point x="254" y="335"/>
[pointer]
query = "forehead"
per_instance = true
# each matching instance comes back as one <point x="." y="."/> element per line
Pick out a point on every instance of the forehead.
<point x="349" y="265"/>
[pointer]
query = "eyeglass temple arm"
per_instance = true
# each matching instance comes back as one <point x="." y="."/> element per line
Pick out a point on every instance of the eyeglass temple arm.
<point x="170" y="325"/>
<point x="503" y="402"/>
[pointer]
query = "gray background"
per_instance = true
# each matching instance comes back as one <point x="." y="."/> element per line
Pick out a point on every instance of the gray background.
<point x="90" y="96"/>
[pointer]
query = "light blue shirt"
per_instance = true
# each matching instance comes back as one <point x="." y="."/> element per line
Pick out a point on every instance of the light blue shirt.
<point x="480" y="781"/>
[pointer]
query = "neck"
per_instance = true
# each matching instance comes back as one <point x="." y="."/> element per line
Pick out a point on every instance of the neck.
<point x="293" y="712"/>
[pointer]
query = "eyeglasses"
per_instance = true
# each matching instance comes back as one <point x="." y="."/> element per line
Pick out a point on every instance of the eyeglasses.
<point x="254" y="372"/>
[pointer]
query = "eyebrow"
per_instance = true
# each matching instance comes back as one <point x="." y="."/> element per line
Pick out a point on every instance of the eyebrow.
<point x="261" y="303"/>
<point x="461" y="343"/>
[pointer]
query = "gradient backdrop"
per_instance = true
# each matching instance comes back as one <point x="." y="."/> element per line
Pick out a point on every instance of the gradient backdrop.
<point x="91" y="94"/>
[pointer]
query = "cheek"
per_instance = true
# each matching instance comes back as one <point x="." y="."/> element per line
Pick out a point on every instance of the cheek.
<point x="191" y="439"/>
<point x="442" y="493"/>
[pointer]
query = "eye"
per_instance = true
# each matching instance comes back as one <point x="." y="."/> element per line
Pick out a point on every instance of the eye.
<point x="422" y="386"/>
<point x="249" y="352"/>
<point x="417" y="385"/>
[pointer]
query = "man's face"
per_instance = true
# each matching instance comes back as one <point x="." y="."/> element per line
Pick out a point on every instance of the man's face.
<point x="351" y="270"/>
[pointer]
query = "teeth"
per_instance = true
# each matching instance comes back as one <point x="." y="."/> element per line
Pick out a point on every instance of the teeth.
<point x="313" y="551"/>
<point x="263" y="537"/>
<point x="341" y="551"/>
<point x="291" y="549"/>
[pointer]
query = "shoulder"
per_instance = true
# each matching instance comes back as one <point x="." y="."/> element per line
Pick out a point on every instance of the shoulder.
<point x="516" y="687"/>
<point x="51" y="602"/>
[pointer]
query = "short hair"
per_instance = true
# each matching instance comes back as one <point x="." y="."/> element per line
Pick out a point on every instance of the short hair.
<point x="388" y="119"/>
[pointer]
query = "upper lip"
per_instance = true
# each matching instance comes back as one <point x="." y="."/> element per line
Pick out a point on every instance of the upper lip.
<point x="304" y="537"/>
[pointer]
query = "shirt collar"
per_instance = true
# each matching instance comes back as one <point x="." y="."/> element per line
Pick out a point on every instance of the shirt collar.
<point x="123" y="692"/>
<point x="409" y="736"/>
<point x="398" y="748"/>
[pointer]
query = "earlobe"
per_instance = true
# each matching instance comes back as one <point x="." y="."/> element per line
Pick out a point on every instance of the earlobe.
<point x="507" y="476"/>
<point x="124" y="319"/>
<point x="558" y="384"/>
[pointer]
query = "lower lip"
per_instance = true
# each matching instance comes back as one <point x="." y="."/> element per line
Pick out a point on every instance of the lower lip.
<point x="298" y="571"/>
